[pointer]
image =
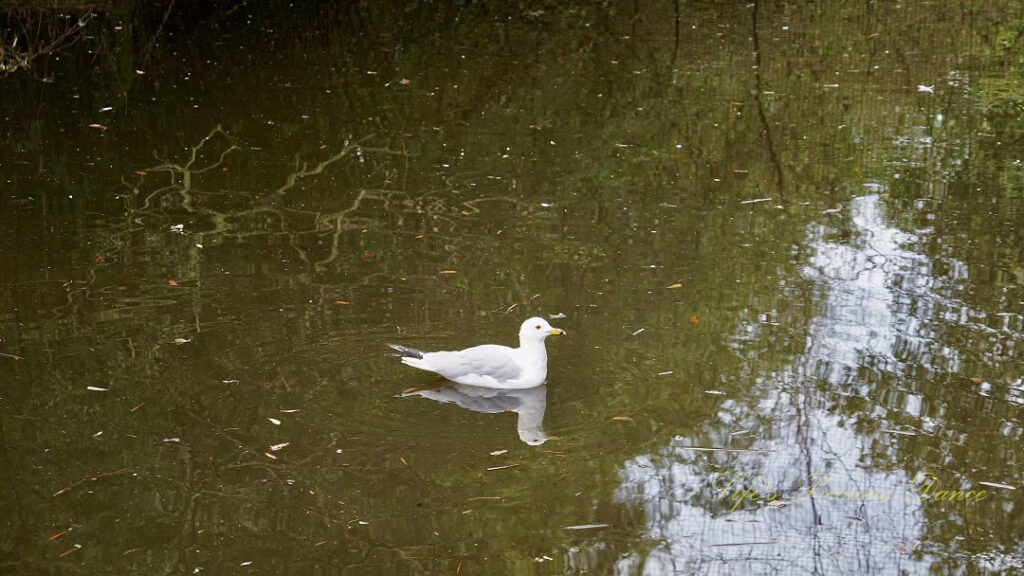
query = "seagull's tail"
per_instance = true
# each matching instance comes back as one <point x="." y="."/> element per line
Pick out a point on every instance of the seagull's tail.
<point x="406" y="352"/>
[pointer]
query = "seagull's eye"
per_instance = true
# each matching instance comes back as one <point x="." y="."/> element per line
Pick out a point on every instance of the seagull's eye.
<point x="537" y="326"/>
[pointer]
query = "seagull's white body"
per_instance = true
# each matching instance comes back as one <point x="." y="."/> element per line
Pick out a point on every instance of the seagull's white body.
<point x="491" y="365"/>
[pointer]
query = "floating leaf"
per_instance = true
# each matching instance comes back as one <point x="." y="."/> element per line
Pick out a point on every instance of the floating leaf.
<point x="694" y="320"/>
<point x="69" y="551"/>
<point x="976" y="380"/>
<point x="172" y="282"/>
<point x="778" y="503"/>
<point x="99" y="259"/>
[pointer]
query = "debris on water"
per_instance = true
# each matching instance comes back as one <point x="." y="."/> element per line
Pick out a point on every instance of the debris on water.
<point x="274" y="421"/>
<point x="71" y="550"/>
<point x="715" y="392"/>
<point x="622" y="418"/>
<point x="665" y="373"/>
<point x="57" y="535"/>
<point x="586" y="527"/>
<point x="738" y="432"/>
<point x="674" y="286"/>
<point x="557" y="316"/>
<point x="180" y="341"/>
<point x="638" y="331"/>
<point x="694" y="320"/>
<point x="493" y="468"/>
<point x="997" y="485"/>
<point x="276" y="447"/>
<point x="778" y="503"/>
<point x="755" y="201"/>
<point x="706" y="449"/>
<point x="289" y="411"/>
<point x="499" y="452"/>
<point x="96" y="389"/>
<point x="899" y="432"/>
<point x="171" y="440"/>
<point x="924" y="88"/>
<point x="544" y="558"/>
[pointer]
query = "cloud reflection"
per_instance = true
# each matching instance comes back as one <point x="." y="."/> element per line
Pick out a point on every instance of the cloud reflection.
<point x="881" y="307"/>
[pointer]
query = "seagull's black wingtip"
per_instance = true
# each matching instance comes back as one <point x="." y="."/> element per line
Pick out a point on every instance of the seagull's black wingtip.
<point x="405" y="351"/>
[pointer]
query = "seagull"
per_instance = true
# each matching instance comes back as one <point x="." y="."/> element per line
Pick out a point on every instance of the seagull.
<point x="491" y="365"/>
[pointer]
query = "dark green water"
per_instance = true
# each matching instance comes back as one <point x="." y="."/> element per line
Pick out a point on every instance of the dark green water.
<point x="788" y="232"/>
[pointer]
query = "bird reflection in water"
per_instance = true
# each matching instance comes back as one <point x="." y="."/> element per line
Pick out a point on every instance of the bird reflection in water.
<point x="528" y="403"/>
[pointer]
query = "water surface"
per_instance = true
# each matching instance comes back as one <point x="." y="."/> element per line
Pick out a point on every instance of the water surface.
<point x="784" y="239"/>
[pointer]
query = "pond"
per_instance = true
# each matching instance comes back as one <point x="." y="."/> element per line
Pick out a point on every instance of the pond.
<point x="784" y="240"/>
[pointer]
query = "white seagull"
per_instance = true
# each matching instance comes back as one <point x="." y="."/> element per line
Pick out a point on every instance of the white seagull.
<point x="491" y="365"/>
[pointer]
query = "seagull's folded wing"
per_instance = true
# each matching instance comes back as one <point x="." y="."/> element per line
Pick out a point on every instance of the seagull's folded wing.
<point x="487" y="361"/>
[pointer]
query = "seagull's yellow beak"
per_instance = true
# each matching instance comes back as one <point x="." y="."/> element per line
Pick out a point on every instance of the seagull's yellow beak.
<point x="557" y="331"/>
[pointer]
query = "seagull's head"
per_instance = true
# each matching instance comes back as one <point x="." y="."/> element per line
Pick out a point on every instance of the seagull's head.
<point x="537" y="328"/>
